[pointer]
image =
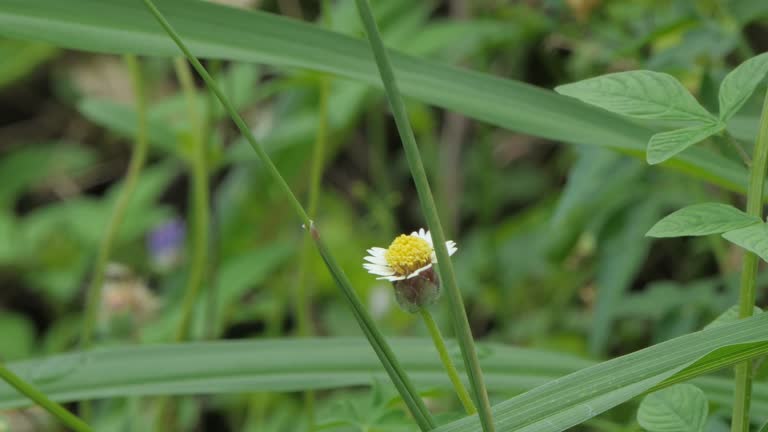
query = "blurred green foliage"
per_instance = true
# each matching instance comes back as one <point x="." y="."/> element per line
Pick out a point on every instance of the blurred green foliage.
<point x="552" y="251"/>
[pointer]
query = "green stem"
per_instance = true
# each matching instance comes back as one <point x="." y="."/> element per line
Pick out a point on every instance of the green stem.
<point x="58" y="411"/>
<point x="734" y="143"/>
<point x="200" y="198"/>
<point x="395" y="371"/>
<point x="138" y="157"/>
<point x="444" y="266"/>
<point x="212" y="300"/>
<point x="450" y="368"/>
<point x="743" y="391"/>
<point x="303" y="292"/>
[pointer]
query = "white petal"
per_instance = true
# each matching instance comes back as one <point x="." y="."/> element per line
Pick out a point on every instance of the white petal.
<point x="378" y="270"/>
<point x="376" y="260"/>
<point x="377" y="267"/>
<point x="424" y="235"/>
<point x="451" y="245"/>
<point x="391" y="278"/>
<point x="377" y="251"/>
<point x="416" y="273"/>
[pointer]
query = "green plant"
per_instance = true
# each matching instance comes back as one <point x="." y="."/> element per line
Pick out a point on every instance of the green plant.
<point x="650" y="95"/>
<point x="581" y="315"/>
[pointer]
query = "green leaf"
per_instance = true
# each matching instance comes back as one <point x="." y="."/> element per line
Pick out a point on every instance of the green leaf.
<point x="214" y="31"/>
<point x="753" y="238"/>
<point x="680" y="408"/>
<point x="729" y="316"/>
<point x="640" y="94"/>
<point x="739" y="85"/>
<point x="291" y="365"/>
<point x="575" y="398"/>
<point x="701" y="219"/>
<point x="664" y="145"/>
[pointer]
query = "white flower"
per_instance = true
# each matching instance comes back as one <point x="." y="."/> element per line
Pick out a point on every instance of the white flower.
<point x="406" y="257"/>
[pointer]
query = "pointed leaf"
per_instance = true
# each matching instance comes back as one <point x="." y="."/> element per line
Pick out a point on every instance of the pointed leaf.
<point x="664" y="145"/>
<point x="640" y="94"/>
<point x="680" y="408"/>
<point x="570" y="400"/>
<point x="739" y="85"/>
<point x="702" y="219"/>
<point x="218" y="32"/>
<point x="729" y="316"/>
<point x="753" y="238"/>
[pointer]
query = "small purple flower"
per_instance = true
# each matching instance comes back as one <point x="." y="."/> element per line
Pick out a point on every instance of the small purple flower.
<point x="165" y="244"/>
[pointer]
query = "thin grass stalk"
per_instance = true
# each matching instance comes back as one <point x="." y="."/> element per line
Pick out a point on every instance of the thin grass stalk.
<point x="200" y="201"/>
<point x="444" y="266"/>
<point x="35" y="395"/>
<point x="445" y="358"/>
<point x="396" y="373"/>
<point x="303" y="296"/>
<point x="743" y="371"/>
<point x="212" y="300"/>
<point x="138" y="158"/>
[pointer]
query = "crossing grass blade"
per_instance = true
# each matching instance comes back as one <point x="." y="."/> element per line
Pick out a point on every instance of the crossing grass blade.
<point x="577" y="397"/>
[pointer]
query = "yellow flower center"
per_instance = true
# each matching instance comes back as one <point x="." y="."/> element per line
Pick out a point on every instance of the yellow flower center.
<point x="407" y="254"/>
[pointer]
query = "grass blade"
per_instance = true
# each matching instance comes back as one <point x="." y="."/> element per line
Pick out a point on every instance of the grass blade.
<point x="41" y="399"/>
<point x="138" y="157"/>
<point x="214" y="31"/>
<point x="395" y="371"/>
<point x="572" y="399"/>
<point x="444" y="265"/>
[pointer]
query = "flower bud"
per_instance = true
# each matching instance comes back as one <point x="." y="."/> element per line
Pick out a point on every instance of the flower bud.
<point x="419" y="291"/>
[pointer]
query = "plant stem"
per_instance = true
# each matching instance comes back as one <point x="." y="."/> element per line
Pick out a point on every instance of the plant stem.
<point x="738" y="148"/>
<point x="58" y="411"/>
<point x="743" y="391"/>
<point x="444" y="266"/>
<point x="200" y="199"/>
<point x="303" y="292"/>
<point x="397" y="374"/>
<point x="450" y="368"/>
<point x="138" y="157"/>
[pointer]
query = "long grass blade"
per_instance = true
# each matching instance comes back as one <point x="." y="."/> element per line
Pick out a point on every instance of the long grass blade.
<point x="218" y="32"/>
<point x="444" y="265"/>
<point x="397" y="374"/>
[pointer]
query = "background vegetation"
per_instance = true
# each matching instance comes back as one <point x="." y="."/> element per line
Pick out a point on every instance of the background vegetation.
<point x="548" y="201"/>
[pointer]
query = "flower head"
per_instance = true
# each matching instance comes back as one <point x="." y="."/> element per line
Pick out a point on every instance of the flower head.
<point x="405" y="258"/>
<point x="407" y="263"/>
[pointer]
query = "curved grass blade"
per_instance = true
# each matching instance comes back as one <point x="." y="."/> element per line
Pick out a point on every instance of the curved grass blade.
<point x="292" y="365"/>
<point x="577" y="397"/>
<point x="399" y="378"/>
<point x="428" y="207"/>
<point x="218" y="32"/>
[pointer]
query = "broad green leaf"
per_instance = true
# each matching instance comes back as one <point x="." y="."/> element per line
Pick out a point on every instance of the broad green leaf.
<point x="701" y="219"/>
<point x="664" y="145"/>
<point x="640" y="94"/>
<point x="291" y="365"/>
<point x="730" y="315"/>
<point x="753" y="238"/>
<point x="213" y="31"/>
<point x="764" y="427"/>
<point x="575" y="398"/>
<point x="680" y="408"/>
<point x="739" y="85"/>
